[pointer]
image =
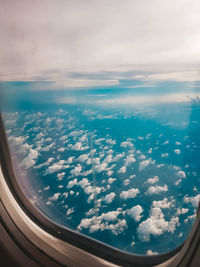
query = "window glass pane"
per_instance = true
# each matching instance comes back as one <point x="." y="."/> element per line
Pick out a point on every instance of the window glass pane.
<point x="122" y="174"/>
<point x="102" y="126"/>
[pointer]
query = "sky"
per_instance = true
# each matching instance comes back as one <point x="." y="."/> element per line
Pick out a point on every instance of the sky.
<point x="78" y="44"/>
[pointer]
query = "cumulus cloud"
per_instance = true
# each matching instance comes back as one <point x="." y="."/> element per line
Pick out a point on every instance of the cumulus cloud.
<point x="55" y="196"/>
<point x="153" y="180"/>
<point x="30" y="158"/>
<point x="131" y="193"/>
<point x="83" y="183"/>
<point x="110" y="216"/>
<point x="110" y="141"/>
<point x="60" y="176"/>
<point x="182" y="211"/>
<point x="44" y="164"/>
<point x="78" y="146"/>
<point x="150" y="252"/>
<point x="135" y="213"/>
<point x="163" y="204"/>
<point x="109" y="173"/>
<point x="191" y="217"/>
<point x="165" y="155"/>
<point x="126" y="144"/>
<point x="83" y="158"/>
<point x="88" y="190"/>
<point x="145" y="163"/>
<point x="109" y="198"/>
<point x="156" y="189"/>
<point x="100" y="167"/>
<point x="126" y="182"/>
<point x="56" y="167"/>
<point x="177" y="151"/>
<point x="181" y="174"/>
<point x="72" y="183"/>
<point x="122" y="169"/>
<point x="108" y="159"/>
<point x="118" y="156"/>
<point x="105" y="221"/>
<point x="193" y="200"/>
<point x="61" y="149"/>
<point x="156" y="225"/>
<point x="111" y="180"/>
<point x="76" y="133"/>
<point x="130" y="159"/>
<point x="77" y="170"/>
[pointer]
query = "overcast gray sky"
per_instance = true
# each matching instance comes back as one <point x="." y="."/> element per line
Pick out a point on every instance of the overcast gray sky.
<point x="50" y="40"/>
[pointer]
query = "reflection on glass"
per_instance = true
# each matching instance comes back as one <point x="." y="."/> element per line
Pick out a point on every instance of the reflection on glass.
<point x="120" y="167"/>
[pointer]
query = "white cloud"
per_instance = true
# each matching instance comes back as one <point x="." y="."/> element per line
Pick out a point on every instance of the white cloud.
<point x="67" y="50"/>
<point x="156" y="225"/>
<point x="191" y="217"/>
<point x="130" y="159"/>
<point x="153" y="180"/>
<point x="110" y="216"/>
<point x="60" y="176"/>
<point x="150" y="252"/>
<point x="77" y="170"/>
<point x="106" y="221"/>
<point x="145" y="163"/>
<point x="193" y="200"/>
<point x="122" y="169"/>
<point x="109" y="173"/>
<point x="135" y="213"/>
<point x="110" y="141"/>
<point x="108" y="159"/>
<point x="47" y="148"/>
<point x="56" y="167"/>
<point x="109" y="198"/>
<point x="70" y="160"/>
<point x="63" y="138"/>
<point x="178" y="143"/>
<point x="44" y="164"/>
<point x="142" y="157"/>
<point x="163" y="204"/>
<point x="76" y="133"/>
<point x="177" y="151"/>
<point x="111" y="180"/>
<point x="88" y="190"/>
<point x="55" y="196"/>
<point x="182" y="211"/>
<point x="72" y="183"/>
<point x="126" y="144"/>
<point x="46" y="188"/>
<point x="131" y="193"/>
<point x="83" y="183"/>
<point x="83" y="158"/>
<point x="78" y="147"/>
<point x="61" y="149"/>
<point x="100" y="167"/>
<point x="181" y="174"/>
<point x="30" y="159"/>
<point x="156" y="189"/>
<point x="165" y="155"/>
<point x="126" y="182"/>
<point x="118" y="156"/>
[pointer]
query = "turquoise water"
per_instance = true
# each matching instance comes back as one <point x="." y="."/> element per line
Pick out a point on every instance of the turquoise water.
<point x="127" y="175"/>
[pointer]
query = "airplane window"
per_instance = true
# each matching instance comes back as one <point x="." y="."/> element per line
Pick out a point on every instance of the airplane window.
<point x="104" y="136"/>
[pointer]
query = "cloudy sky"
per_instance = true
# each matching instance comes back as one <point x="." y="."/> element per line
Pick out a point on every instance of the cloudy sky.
<point x="90" y="43"/>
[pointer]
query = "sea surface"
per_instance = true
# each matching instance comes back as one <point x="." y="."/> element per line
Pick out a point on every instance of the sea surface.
<point x="126" y="175"/>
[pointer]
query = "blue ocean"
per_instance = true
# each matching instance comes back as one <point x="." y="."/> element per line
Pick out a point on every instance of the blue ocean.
<point x="123" y="169"/>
